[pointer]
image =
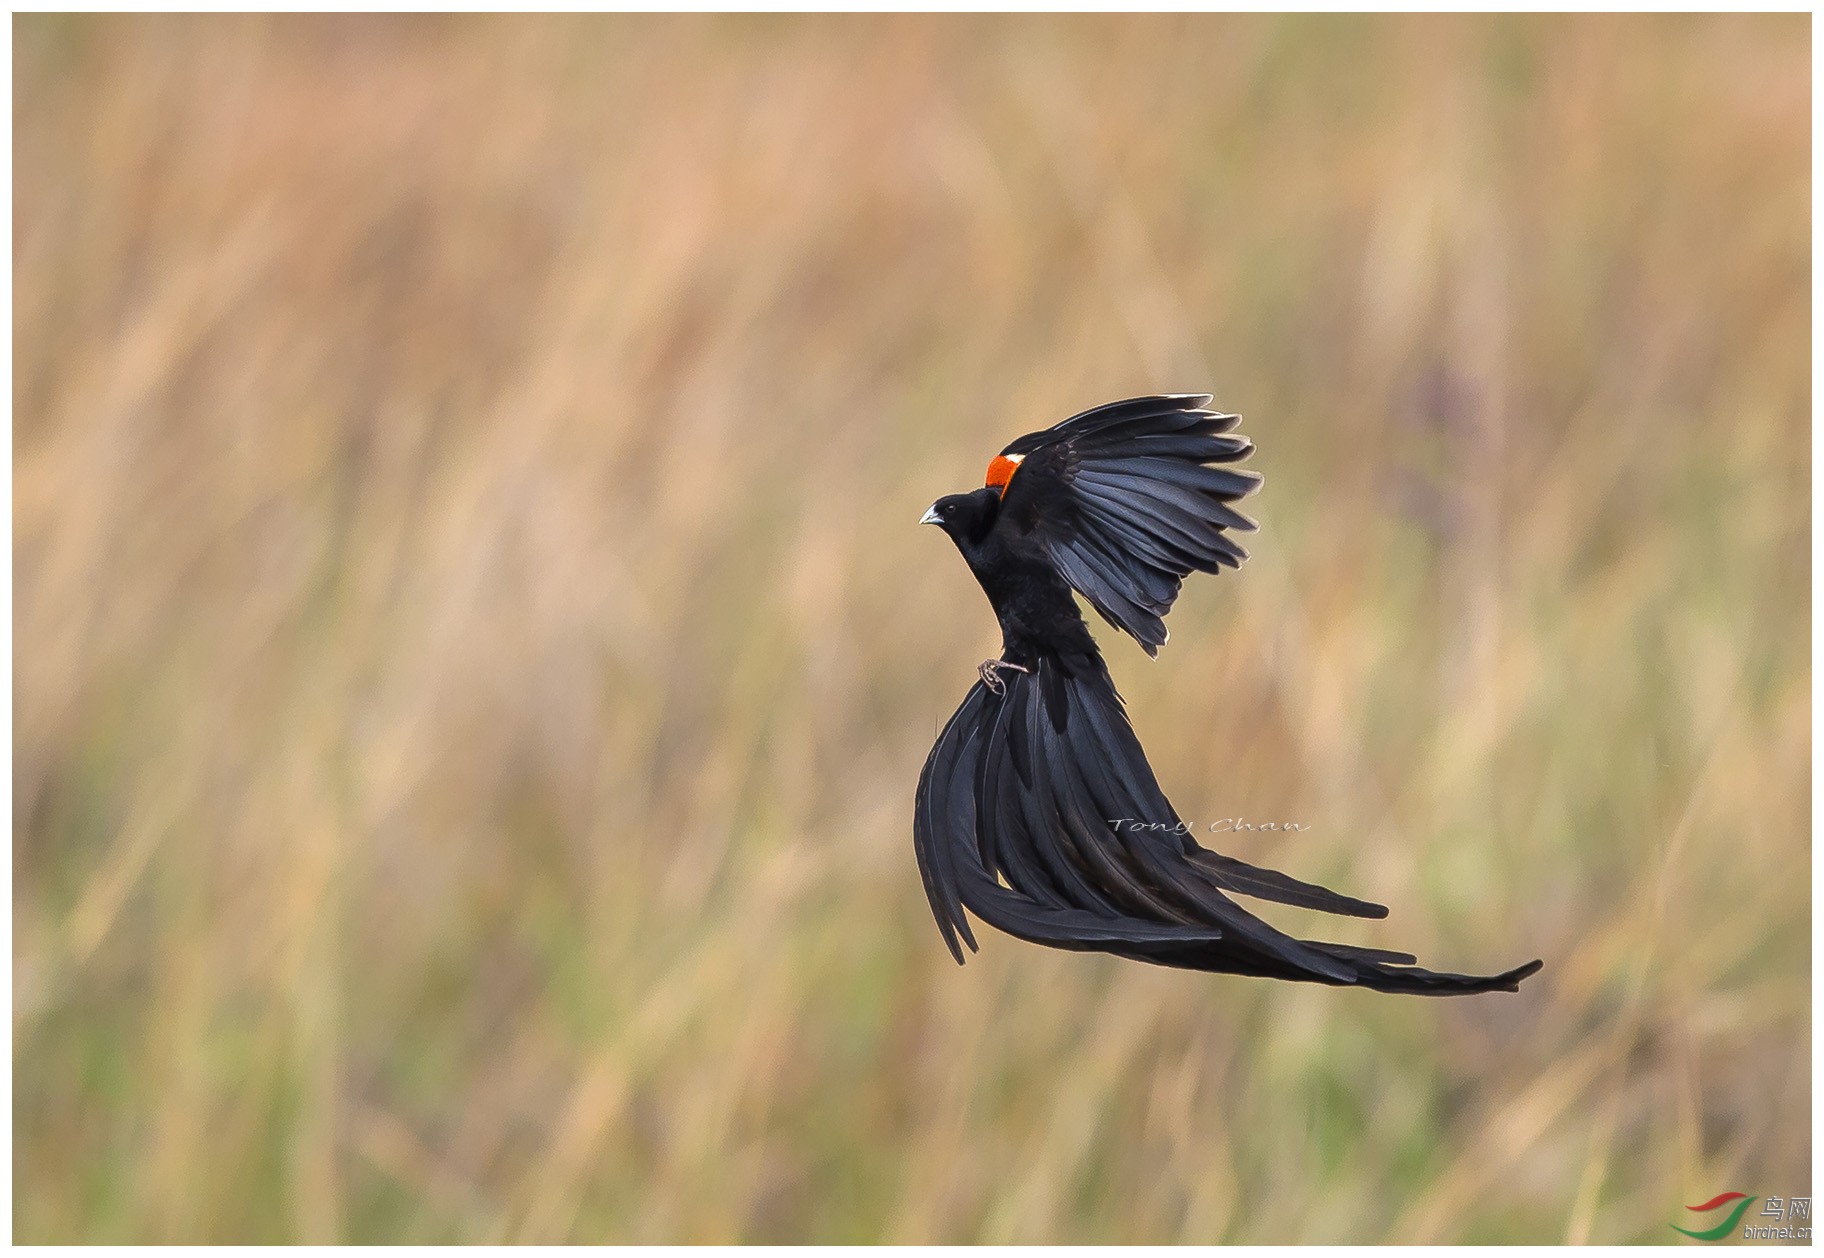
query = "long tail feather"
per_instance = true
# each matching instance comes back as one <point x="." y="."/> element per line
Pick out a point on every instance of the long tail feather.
<point x="1038" y="813"/>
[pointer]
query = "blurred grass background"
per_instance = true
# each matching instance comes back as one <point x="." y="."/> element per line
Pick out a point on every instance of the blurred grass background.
<point x="474" y="652"/>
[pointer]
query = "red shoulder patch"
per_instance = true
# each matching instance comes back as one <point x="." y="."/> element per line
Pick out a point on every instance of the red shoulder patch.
<point x="1002" y="469"/>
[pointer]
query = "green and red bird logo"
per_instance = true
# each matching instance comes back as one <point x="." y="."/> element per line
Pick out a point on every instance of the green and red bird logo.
<point x="1742" y="1202"/>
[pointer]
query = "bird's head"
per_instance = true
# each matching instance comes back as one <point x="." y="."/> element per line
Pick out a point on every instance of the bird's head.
<point x="966" y="517"/>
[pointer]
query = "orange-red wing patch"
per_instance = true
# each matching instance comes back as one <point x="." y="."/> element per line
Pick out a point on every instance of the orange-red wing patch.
<point x="1001" y="470"/>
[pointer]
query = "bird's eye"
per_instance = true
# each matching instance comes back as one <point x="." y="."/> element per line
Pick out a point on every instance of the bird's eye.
<point x="949" y="508"/>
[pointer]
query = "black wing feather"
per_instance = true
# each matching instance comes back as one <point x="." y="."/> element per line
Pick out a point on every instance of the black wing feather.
<point x="1125" y="503"/>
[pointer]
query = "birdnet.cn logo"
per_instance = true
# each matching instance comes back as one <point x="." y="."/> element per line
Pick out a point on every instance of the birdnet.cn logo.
<point x="1780" y="1219"/>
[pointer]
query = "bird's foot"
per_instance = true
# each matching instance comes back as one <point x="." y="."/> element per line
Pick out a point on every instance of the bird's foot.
<point x="990" y="670"/>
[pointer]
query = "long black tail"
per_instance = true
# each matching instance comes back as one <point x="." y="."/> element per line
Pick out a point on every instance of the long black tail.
<point x="1038" y="813"/>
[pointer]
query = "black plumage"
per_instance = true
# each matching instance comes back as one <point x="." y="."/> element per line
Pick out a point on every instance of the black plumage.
<point x="1037" y="810"/>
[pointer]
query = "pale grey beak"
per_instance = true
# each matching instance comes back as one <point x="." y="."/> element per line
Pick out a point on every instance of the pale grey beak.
<point x="930" y="515"/>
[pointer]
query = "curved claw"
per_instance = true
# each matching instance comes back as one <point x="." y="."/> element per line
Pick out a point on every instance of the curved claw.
<point x="990" y="669"/>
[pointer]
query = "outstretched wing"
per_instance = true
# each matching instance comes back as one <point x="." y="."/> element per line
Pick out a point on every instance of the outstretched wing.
<point x="1027" y="817"/>
<point x="1125" y="503"/>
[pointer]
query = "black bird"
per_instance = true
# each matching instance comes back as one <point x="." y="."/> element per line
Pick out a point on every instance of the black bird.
<point x="1037" y="810"/>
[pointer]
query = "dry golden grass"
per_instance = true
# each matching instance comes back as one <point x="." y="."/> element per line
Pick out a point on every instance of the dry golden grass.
<point x="474" y="652"/>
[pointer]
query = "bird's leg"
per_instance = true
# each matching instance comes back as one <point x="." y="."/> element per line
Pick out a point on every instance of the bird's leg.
<point x="989" y="670"/>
